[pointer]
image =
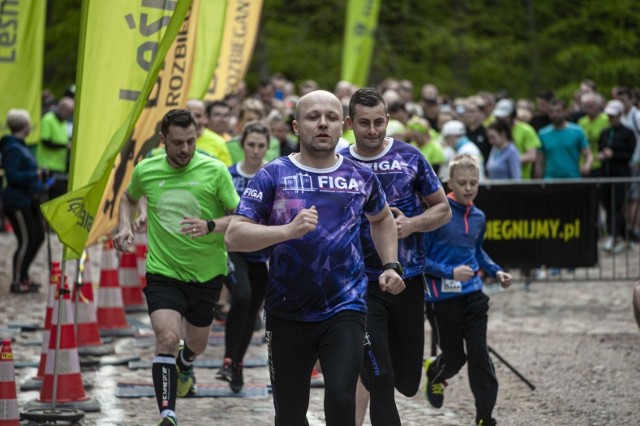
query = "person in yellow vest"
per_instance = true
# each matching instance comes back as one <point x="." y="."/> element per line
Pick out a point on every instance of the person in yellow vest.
<point x="52" y="153"/>
<point x="208" y="141"/>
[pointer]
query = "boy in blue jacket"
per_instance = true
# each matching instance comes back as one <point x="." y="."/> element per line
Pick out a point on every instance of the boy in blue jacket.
<point x="455" y="304"/>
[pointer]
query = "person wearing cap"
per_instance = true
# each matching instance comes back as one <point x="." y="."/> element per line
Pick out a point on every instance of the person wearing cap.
<point x="615" y="149"/>
<point x="563" y="143"/>
<point x="454" y="136"/>
<point x="593" y="122"/>
<point x="524" y="136"/>
<point x="422" y="136"/>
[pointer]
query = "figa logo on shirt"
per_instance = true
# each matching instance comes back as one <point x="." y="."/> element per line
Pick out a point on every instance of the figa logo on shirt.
<point x="252" y="193"/>
<point x="385" y="166"/>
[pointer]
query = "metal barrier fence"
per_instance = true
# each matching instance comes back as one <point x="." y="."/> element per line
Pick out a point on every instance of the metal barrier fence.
<point x="622" y="264"/>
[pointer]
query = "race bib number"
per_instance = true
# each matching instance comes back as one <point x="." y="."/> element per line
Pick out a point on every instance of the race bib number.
<point x="451" y="286"/>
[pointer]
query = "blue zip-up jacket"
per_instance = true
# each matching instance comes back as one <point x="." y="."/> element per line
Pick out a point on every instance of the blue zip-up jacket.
<point x="459" y="242"/>
<point x="21" y="173"/>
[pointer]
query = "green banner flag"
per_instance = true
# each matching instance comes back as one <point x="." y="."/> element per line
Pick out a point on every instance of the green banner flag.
<point x="21" y="54"/>
<point x="123" y="44"/>
<point x="208" y="41"/>
<point x="359" y="33"/>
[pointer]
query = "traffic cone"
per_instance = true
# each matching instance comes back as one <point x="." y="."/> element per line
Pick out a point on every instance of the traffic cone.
<point x="70" y="391"/>
<point x="112" y="320"/>
<point x="88" y="335"/>
<point x="9" y="415"/>
<point x="35" y="383"/>
<point x="140" y="241"/>
<point x="132" y="297"/>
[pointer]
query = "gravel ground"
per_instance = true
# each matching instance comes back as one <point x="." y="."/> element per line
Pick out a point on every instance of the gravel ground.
<point x="576" y="342"/>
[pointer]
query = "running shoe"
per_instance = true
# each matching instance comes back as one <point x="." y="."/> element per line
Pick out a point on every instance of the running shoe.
<point x="237" y="379"/>
<point x="24" y="287"/>
<point x="434" y="392"/>
<point x="186" y="382"/>
<point x="490" y="422"/>
<point x="224" y="373"/>
<point x="168" y="421"/>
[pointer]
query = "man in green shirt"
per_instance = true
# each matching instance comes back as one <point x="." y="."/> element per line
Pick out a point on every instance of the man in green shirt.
<point x="52" y="153"/>
<point x="187" y="197"/>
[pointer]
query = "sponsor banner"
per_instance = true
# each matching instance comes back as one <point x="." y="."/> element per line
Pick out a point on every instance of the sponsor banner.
<point x="359" y="35"/>
<point x="109" y="99"/>
<point x="239" y="39"/>
<point x="21" y="54"/>
<point x="541" y="224"/>
<point x="171" y="90"/>
<point x="208" y="40"/>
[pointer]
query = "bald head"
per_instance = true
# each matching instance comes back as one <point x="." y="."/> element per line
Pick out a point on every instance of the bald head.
<point x="314" y="98"/>
<point x="64" y="109"/>
<point x="196" y="108"/>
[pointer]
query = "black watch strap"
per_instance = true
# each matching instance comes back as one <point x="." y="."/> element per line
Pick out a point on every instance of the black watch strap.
<point x="397" y="266"/>
<point x="211" y="226"/>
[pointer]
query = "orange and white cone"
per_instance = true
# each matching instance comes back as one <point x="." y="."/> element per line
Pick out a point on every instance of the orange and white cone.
<point x="88" y="333"/>
<point x="54" y="281"/>
<point x="9" y="415"/>
<point x="112" y="320"/>
<point x="132" y="297"/>
<point x="140" y="241"/>
<point x="69" y="391"/>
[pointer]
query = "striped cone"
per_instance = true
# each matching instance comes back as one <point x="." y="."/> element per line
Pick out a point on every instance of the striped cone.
<point x="132" y="297"/>
<point x="54" y="283"/>
<point x="88" y="335"/>
<point x="9" y="415"/>
<point x="70" y="391"/>
<point x="112" y="320"/>
<point x="35" y="383"/>
<point x="140" y="240"/>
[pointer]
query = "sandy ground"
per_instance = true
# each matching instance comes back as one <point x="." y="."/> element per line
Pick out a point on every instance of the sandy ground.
<point x="576" y="342"/>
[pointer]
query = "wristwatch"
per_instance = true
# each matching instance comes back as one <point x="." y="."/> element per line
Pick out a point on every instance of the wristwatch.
<point x="211" y="225"/>
<point x="396" y="266"/>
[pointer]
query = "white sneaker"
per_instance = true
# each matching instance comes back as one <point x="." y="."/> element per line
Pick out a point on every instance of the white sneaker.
<point x="620" y="247"/>
<point x="608" y="244"/>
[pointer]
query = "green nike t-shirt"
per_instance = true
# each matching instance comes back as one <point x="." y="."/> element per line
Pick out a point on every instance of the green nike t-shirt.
<point x="202" y="189"/>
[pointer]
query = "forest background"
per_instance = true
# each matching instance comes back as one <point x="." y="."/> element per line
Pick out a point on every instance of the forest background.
<point x="462" y="46"/>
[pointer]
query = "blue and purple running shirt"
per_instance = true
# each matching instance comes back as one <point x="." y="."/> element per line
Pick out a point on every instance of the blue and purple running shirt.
<point x="405" y="175"/>
<point x="314" y="277"/>
<point x="240" y="181"/>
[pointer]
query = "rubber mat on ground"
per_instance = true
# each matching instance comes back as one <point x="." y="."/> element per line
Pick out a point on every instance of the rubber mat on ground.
<point x="145" y="390"/>
<point x="205" y="363"/>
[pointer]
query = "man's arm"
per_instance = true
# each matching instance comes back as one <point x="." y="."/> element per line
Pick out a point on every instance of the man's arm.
<point x="529" y="156"/>
<point x="244" y="234"/>
<point x="123" y="240"/>
<point x="588" y="159"/>
<point x="385" y="238"/>
<point x="438" y="214"/>
<point x="538" y="171"/>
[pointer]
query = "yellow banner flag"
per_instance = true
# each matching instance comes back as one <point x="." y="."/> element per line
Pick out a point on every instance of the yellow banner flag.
<point x="208" y="40"/>
<point x="239" y="39"/>
<point x="171" y="91"/>
<point x="359" y="35"/>
<point x="21" y="54"/>
<point x="123" y="44"/>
